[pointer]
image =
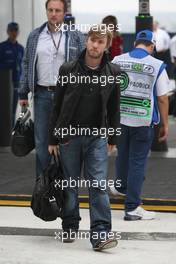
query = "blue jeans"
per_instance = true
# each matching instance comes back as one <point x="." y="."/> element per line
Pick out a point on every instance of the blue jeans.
<point x="43" y="102"/>
<point x="93" y="152"/>
<point x="133" y="148"/>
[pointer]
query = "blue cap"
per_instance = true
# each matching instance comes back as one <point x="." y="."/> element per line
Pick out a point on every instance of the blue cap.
<point x="13" y="26"/>
<point x="146" y="35"/>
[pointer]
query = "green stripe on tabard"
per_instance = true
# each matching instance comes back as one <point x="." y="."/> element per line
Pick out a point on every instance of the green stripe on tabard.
<point x="132" y="103"/>
<point x="135" y="103"/>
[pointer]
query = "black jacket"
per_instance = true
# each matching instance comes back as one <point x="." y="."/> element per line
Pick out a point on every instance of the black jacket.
<point x="67" y="97"/>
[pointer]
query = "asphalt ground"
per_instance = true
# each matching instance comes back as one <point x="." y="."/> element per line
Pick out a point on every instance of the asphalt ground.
<point x="17" y="175"/>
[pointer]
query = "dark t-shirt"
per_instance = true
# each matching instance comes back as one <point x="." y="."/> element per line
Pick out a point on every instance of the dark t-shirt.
<point x="88" y="112"/>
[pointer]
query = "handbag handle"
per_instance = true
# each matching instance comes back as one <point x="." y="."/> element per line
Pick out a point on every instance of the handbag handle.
<point x="25" y="114"/>
<point x="56" y="159"/>
<point x="24" y="108"/>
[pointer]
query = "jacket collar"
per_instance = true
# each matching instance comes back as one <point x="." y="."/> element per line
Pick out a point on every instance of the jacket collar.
<point x="139" y="53"/>
<point x="42" y="27"/>
<point x="10" y="42"/>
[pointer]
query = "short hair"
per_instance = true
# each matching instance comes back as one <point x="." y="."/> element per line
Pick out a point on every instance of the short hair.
<point x="143" y="42"/>
<point x="63" y="1"/>
<point x="110" y="20"/>
<point x="100" y="31"/>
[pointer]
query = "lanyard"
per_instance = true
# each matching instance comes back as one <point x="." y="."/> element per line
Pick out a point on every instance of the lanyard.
<point x="58" y="45"/>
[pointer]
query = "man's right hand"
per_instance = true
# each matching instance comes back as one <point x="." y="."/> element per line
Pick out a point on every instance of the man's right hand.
<point x="24" y="103"/>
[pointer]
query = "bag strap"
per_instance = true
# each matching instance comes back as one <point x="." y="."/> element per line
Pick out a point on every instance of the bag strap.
<point x="56" y="159"/>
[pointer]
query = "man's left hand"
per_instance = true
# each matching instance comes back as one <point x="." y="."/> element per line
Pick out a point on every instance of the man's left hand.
<point x="163" y="133"/>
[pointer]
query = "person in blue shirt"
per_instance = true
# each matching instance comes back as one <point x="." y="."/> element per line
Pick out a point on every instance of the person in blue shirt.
<point x="143" y="102"/>
<point x="11" y="54"/>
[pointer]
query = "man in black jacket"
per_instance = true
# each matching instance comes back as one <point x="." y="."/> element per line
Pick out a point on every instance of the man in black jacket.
<point x="85" y="118"/>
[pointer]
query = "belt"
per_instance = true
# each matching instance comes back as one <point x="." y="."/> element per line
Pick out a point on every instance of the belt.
<point x="48" y="88"/>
